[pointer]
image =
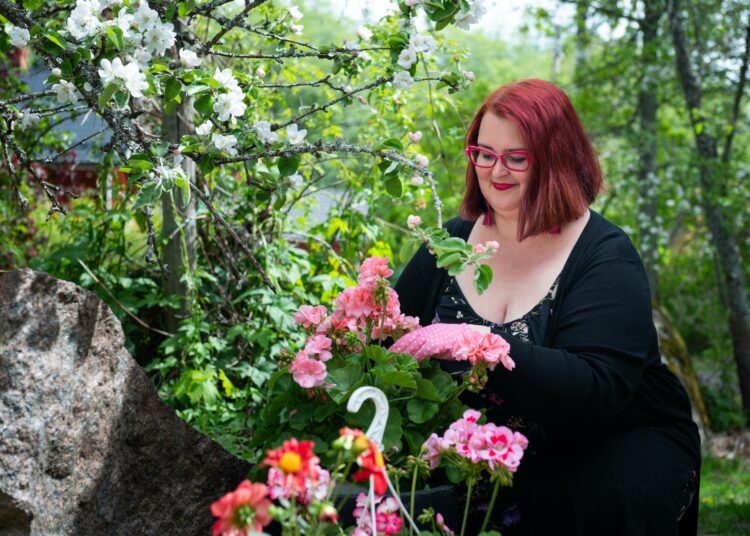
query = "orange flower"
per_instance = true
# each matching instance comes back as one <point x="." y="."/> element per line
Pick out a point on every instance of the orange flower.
<point x="297" y="462"/>
<point x="372" y="463"/>
<point x="242" y="510"/>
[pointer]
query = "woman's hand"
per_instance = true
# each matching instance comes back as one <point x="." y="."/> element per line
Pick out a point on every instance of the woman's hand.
<point x="435" y="340"/>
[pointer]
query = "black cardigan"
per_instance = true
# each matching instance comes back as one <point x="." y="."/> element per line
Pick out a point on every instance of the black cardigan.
<point x="599" y="369"/>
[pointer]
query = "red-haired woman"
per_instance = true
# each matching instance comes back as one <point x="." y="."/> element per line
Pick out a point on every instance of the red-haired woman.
<point x="612" y="447"/>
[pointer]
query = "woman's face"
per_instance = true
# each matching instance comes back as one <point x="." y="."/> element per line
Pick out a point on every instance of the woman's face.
<point x="502" y="188"/>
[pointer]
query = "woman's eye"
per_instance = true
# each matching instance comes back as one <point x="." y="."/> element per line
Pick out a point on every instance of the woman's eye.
<point x="486" y="157"/>
<point x="516" y="159"/>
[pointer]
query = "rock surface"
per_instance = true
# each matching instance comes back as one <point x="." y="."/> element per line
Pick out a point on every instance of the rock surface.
<point x="86" y="445"/>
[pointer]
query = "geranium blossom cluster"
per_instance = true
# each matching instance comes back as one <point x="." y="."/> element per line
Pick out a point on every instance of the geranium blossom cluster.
<point x="370" y="310"/>
<point x="494" y="447"/>
<point x="483" y="348"/>
<point x="387" y="518"/>
<point x="242" y="510"/>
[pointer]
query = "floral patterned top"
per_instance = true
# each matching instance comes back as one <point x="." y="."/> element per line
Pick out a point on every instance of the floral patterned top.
<point x="454" y="308"/>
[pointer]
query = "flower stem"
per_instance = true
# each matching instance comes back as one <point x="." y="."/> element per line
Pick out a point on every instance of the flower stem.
<point x="413" y="491"/>
<point x="491" y="507"/>
<point x="470" y="482"/>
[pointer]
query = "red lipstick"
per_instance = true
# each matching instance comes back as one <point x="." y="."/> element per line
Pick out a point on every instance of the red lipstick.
<point x="502" y="186"/>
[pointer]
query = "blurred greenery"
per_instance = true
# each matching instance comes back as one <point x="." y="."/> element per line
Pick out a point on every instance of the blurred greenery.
<point x="724" y="497"/>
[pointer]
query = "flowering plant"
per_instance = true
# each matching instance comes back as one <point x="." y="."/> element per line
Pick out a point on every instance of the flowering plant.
<point x="305" y="494"/>
<point x="343" y="351"/>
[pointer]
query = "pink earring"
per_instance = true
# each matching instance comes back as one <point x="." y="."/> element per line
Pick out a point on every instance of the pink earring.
<point x="487" y="214"/>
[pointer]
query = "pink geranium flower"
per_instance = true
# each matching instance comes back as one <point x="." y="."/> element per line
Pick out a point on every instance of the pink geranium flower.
<point x="319" y="345"/>
<point x="307" y="372"/>
<point x="372" y="269"/>
<point x="310" y="316"/>
<point x="487" y="348"/>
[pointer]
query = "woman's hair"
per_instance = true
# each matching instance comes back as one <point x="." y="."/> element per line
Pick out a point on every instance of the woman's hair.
<point x="565" y="175"/>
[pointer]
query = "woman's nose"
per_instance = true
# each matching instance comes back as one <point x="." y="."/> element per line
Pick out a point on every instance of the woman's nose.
<point x="499" y="168"/>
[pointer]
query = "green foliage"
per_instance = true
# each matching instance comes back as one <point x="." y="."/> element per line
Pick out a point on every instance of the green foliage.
<point x="725" y="496"/>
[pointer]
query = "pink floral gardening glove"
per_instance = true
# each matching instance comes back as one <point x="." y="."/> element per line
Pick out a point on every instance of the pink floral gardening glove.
<point x="435" y="340"/>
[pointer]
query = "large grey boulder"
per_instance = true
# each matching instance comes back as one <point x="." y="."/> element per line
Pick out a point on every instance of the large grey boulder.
<point x="86" y="445"/>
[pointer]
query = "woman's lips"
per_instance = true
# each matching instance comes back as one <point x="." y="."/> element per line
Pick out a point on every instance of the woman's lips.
<point x="502" y="185"/>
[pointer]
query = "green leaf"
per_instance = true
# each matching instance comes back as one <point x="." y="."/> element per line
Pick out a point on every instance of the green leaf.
<point x="183" y="184"/>
<point x="448" y="258"/>
<point x="207" y="164"/>
<point x="346" y="379"/>
<point x="32" y="4"/>
<point x="116" y="36"/>
<point x="229" y="387"/>
<point x="378" y="354"/>
<point x="394" y="430"/>
<point x="457" y="268"/>
<point x="420" y="411"/>
<point x="140" y="161"/>
<point x="204" y="105"/>
<point x="482" y="278"/>
<point x="170" y="107"/>
<point x="390" y="143"/>
<point x="289" y="166"/>
<point x="121" y="97"/>
<point x="172" y="88"/>
<point x="107" y="93"/>
<point x="427" y="390"/>
<point x="159" y="149"/>
<point x="57" y="39"/>
<point x="450" y="244"/>
<point x="148" y="193"/>
<point x="394" y="377"/>
<point x="393" y="186"/>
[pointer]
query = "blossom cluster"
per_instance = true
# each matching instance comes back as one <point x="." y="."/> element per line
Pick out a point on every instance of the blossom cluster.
<point x="369" y="310"/>
<point x="489" y="445"/>
<point x="295" y="475"/>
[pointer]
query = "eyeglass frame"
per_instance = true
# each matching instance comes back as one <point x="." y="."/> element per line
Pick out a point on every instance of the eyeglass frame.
<point x="498" y="156"/>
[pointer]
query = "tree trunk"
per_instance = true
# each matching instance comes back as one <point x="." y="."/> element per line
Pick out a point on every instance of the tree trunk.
<point x="646" y="145"/>
<point x="179" y="228"/>
<point x="724" y="242"/>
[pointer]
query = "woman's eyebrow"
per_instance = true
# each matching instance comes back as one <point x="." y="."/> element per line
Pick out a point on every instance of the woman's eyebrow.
<point x="485" y="146"/>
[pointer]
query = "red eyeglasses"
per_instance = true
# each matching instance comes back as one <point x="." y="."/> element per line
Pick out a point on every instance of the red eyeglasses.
<point x="512" y="160"/>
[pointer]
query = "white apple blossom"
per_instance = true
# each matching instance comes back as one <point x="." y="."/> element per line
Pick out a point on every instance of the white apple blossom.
<point x="225" y="143"/>
<point x="423" y="43"/>
<point x="295" y="13"/>
<point x="56" y="72"/>
<point x="204" y="129"/>
<point x="110" y="70"/>
<point x="408" y="57"/>
<point x="365" y="33"/>
<point x="189" y="58"/>
<point x="135" y="80"/>
<point x="226" y="79"/>
<point x="143" y="58"/>
<point x="403" y="80"/>
<point x="159" y="38"/>
<point x="263" y="129"/>
<point x="260" y="72"/>
<point x="411" y="3"/>
<point x="422" y="160"/>
<point x="414" y="137"/>
<point x="294" y="135"/>
<point x="364" y="56"/>
<point x="464" y="19"/>
<point x="469" y="75"/>
<point x="66" y="92"/>
<point x="87" y="87"/>
<point x="296" y="29"/>
<point x="416" y="180"/>
<point x="19" y="37"/>
<point x="29" y="119"/>
<point x="145" y="17"/>
<point x="84" y="19"/>
<point x="230" y="105"/>
<point x="350" y="45"/>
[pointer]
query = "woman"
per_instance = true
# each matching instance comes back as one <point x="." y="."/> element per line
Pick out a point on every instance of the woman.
<point x="612" y="447"/>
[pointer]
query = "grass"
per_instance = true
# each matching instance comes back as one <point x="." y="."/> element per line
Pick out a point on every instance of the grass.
<point x="725" y="497"/>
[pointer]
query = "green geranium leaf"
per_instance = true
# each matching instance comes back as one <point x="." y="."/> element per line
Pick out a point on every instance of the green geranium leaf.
<point x="394" y="431"/>
<point x="482" y="278"/>
<point x="394" y="377"/>
<point x="346" y="379"/>
<point x="427" y="390"/>
<point x="421" y="411"/>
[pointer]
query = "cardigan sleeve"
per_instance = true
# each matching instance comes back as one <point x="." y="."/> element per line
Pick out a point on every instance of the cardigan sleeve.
<point x="600" y="346"/>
